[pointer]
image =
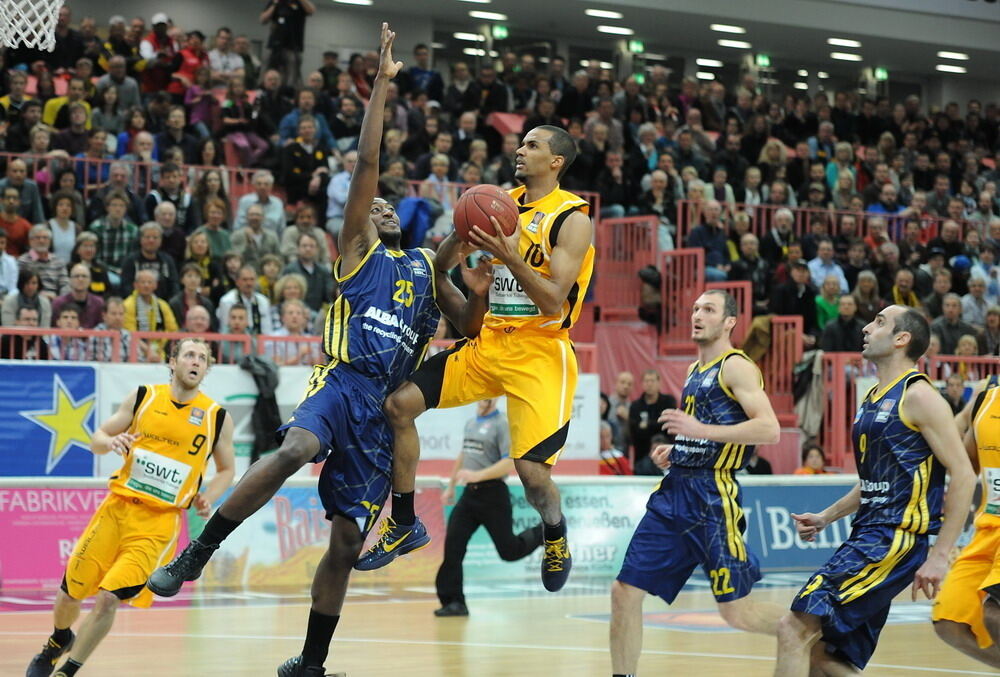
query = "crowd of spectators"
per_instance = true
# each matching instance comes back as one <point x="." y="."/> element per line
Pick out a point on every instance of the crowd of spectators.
<point x="123" y="136"/>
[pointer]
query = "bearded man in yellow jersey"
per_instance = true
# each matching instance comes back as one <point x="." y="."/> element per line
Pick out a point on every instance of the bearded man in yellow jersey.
<point x="165" y="434"/>
<point x="966" y="613"/>
<point x="541" y="274"/>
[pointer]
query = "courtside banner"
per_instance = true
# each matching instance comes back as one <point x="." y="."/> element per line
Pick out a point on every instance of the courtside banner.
<point x="601" y="517"/>
<point x="49" y="411"/>
<point x="282" y="544"/>
<point x="38" y="528"/>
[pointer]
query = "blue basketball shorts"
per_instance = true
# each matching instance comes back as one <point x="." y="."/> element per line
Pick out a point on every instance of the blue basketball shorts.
<point x="343" y="409"/>
<point x="852" y="592"/>
<point x="694" y="518"/>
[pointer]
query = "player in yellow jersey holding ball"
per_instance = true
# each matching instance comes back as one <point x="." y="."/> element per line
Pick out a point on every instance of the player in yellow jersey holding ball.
<point x="165" y="434"/>
<point x="541" y="272"/>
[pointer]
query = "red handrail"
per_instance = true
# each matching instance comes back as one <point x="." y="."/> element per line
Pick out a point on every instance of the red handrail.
<point x="682" y="272"/>
<point x="779" y="363"/>
<point x="624" y="246"/>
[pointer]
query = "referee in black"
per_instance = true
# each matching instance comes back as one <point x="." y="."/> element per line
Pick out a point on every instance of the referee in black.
<point x="481" y="466"/>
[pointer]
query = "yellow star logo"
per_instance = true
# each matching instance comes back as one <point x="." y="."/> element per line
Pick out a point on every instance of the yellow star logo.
<point x="66" y="420"/>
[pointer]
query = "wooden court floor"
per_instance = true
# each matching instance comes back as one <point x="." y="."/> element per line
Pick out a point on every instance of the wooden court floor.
<point x="512" y="631"/>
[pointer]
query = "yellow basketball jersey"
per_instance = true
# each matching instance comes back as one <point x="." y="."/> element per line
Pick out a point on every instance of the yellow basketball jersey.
<point x="986" y="424"/>
<point x="541" y="221"/>
<point x="174" y="440"/>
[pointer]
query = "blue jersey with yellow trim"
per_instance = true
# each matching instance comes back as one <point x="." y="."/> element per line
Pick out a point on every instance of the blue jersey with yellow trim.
<point x="706" y="397"/>
<point x="385" y="316"/>
<point x="902" y="484"/>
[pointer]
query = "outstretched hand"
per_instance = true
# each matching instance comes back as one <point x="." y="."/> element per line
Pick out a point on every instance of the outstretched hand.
<point x="387" y="68"/>
<point x="808" y="524"/>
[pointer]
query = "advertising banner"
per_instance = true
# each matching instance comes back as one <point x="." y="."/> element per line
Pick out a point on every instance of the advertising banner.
<point x="38" y="528"/>
<point x="282" y="544"/>
<point x="49" y="412"/>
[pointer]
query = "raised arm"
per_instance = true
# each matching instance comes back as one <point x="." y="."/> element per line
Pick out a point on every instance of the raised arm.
<point x="564" y="264"/>
<point x="359" y="232"/>
<point x="111" y="435"/>
<point x="929" y="412"/>
<point x="743" y="380"/>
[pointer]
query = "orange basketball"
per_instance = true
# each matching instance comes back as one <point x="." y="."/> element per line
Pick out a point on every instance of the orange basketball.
<point x="478" y="204"/>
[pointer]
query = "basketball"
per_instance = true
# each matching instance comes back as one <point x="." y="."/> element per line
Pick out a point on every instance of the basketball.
<point x="478" y="204"/>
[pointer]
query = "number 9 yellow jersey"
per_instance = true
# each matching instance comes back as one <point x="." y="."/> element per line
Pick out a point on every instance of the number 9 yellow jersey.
<point x="173" y="443"/>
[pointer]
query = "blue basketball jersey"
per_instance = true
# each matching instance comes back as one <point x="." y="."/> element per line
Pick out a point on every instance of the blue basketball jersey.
<point x="385" y="316"/>
<point x="902" y="484"/>
<point x="706" y="397"/>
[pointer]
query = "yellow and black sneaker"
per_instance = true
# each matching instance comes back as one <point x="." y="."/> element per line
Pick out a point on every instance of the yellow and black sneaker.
<point x="556" y="564"/>
<point x="44" y="663"/>
<point x="394" y="540"/>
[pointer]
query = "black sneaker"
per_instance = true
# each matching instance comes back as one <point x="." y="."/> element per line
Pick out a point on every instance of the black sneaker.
<point x="556" y="564"/>
<point x="44" y="663"/>
<point x="167" y="580"/>
<point x="452" y="609"/>
<point x="293" y="668"/>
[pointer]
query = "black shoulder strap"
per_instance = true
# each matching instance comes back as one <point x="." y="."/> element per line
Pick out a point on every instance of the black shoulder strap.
<point x="140" y="394"/>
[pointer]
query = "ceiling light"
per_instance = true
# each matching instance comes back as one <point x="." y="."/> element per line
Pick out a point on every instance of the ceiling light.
<point x="957" y="56"/>
<point x="478" y="2"/>
<point x="438" y="45"/>
<point x="725" y="28"/>
<point x="802" y="73"/>
<point x="841" y="42"/>
<point x="800" y="85"/>
<point x="488" y="16"/>
<point x="768" y="81"/>
<point x="615" y="30"/>
<point x="704" y="75"/>
<point x="709" y="63"/>
<point x="946" y="68"/>
<point x="471" y="37"/>
<point x="354" y="2"/>
<point x="844" y="56"/>
<point x="603" y="14"/>
<point x="655" y="57"/>
<point x="543" y="59"/>
<point x="606" y="65"/>
<point x="736" y="44"/>
<point x="474" y="51"/>
<point x="822" y="75"/>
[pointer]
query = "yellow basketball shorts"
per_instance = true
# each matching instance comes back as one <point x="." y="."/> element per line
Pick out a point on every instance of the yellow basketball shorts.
<point x="536" y="371"/>
<point x="961" y="596"/>
<point x="121" y="546"/>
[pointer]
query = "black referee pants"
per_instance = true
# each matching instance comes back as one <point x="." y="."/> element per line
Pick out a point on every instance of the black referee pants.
<point x="482" y="504"/>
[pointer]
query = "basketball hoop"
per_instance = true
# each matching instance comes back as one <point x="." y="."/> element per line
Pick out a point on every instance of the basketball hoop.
<point x="31" y="23"/>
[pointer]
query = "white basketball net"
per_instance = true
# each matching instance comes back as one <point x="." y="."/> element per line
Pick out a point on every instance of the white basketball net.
<point x="29" y="22"/>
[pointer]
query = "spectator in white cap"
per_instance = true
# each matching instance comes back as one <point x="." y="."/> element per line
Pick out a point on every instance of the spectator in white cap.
<point x="161" y="53"/>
